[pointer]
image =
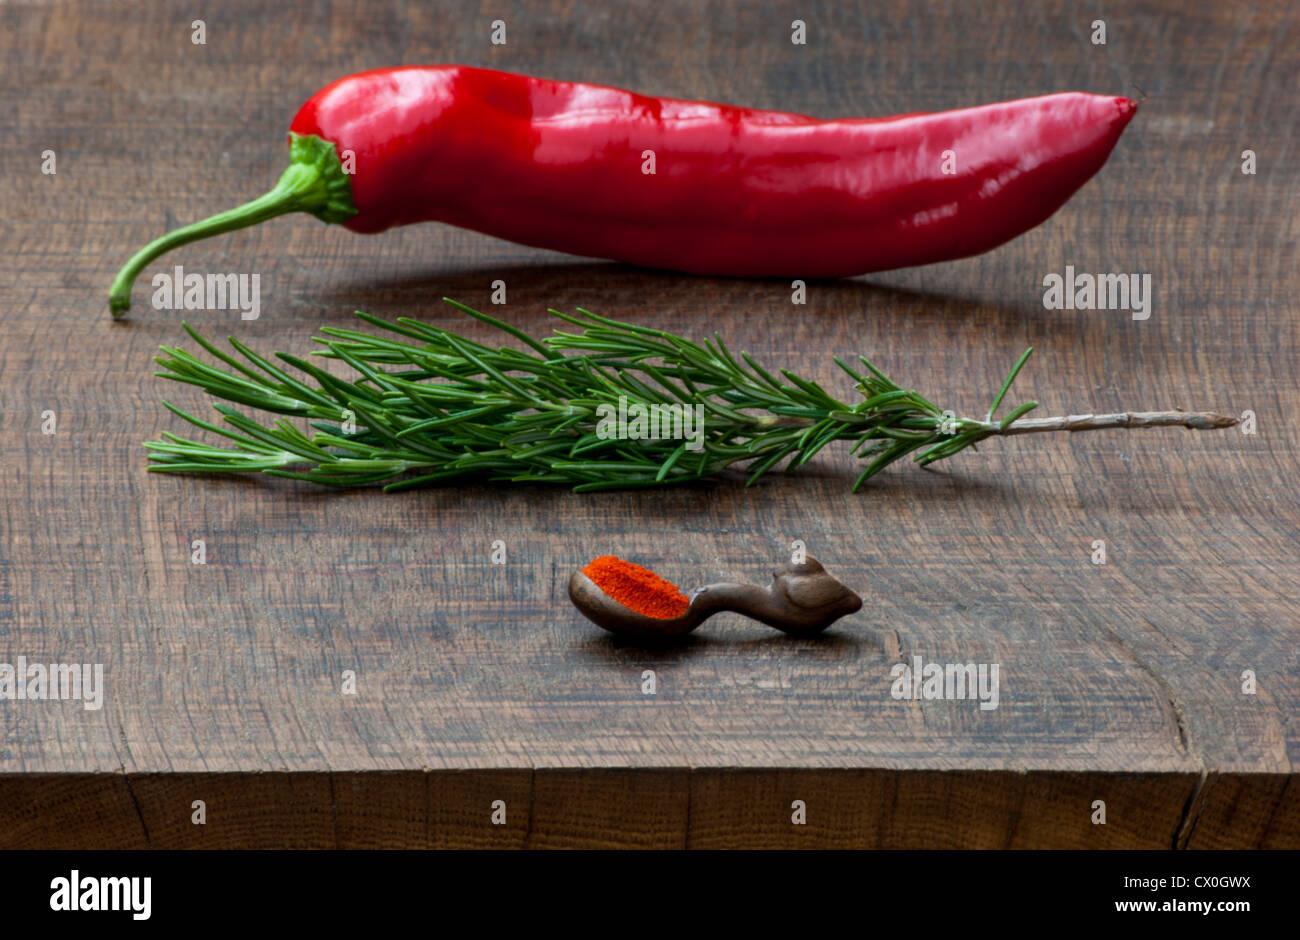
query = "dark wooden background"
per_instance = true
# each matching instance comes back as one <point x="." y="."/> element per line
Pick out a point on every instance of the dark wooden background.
<point x="480" y="682"/>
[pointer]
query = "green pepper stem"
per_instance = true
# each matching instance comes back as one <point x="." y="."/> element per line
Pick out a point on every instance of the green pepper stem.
<point x="315" y="182"/>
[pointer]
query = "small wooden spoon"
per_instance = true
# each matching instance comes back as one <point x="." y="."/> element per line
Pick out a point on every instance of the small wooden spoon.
<point x="802" y="600"/>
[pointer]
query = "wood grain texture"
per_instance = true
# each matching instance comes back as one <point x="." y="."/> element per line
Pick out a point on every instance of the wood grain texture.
<point x="1120" y="682"/>
<point x="647" y="809"/>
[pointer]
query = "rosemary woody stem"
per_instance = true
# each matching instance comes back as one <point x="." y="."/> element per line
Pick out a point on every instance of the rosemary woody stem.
<point x="1196" y="420"/>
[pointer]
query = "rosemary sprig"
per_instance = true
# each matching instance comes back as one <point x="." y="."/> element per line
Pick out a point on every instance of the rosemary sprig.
<point x="431" y="406"/>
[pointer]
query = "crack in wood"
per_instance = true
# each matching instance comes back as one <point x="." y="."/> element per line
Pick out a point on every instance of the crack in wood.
<point x="139" y="812"/>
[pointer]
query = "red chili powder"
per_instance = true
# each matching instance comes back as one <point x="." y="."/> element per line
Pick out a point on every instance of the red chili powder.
<point x="637" y="588"/>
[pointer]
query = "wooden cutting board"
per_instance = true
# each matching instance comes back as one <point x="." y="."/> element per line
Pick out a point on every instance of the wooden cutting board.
<point x="477" y="682"/>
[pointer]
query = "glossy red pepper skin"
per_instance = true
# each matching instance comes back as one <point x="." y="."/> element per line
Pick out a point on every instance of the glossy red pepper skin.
<point x="735" y="191"/>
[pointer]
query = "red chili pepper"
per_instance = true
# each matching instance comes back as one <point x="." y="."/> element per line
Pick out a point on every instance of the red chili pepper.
<point x="734" y="191"/>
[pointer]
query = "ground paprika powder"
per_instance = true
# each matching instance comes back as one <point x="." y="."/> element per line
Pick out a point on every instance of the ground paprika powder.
<point x="636" y="588"/>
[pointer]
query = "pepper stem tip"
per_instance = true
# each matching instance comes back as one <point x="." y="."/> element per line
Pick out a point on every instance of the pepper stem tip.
<point x="314" y="182"/>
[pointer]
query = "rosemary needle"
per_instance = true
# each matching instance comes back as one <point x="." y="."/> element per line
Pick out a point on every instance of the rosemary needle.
<point x="433" y="407"/>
